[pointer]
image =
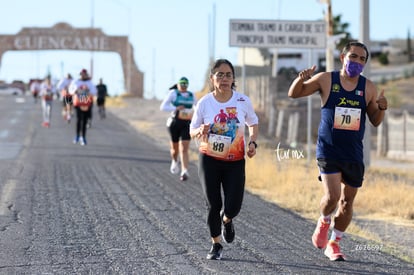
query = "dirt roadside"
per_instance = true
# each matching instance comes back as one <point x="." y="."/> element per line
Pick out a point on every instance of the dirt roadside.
<point x="145" y="116"/>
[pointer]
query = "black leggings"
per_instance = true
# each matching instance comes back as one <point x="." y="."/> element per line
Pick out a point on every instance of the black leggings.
<point x="82" y="119"/>
<point x="216" y="174"/>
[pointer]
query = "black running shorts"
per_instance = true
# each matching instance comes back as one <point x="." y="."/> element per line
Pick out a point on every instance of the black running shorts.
<point x="179" y="129"/>
<point x="352" y="172"/>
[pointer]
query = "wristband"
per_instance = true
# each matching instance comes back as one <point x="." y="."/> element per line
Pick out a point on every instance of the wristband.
<point x="254" y="143"/>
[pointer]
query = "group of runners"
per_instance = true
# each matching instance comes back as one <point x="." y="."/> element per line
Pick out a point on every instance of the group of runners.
<point x="217" y="122"/>
<point x="77" y="97"/>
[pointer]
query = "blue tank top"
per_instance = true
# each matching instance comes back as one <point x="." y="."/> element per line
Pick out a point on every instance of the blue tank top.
<point x="342" y="126"/>
<point x="184" y="99"/>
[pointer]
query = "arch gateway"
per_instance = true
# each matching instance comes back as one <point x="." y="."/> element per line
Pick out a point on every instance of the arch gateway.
<point x="63" y="36"/>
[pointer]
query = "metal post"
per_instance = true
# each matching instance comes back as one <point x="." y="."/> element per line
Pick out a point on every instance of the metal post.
<point x="330" y="46"/>
<point x="129" y="54"/>
<point x="244" y="71"/>
<point x="128" y="49"/>
<point x="92" y="25"/>
<point x="272" y="95"/>
<point x="364" y="37"/>
<point x="309" y="130"/>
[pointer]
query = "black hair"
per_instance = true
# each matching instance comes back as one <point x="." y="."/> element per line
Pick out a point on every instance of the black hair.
<point x="220" y="62"/>
<point x="348" y="46"/>
<point x="174" y="87"/>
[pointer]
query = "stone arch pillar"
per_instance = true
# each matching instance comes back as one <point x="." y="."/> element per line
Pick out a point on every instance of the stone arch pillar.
<point x="63" y="36"/>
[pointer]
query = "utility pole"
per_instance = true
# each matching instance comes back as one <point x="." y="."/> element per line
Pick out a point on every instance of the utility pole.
<point x="129" y="53"/>
<point x="330" y="43"/>
<point x="92" y="25"/>
<point x="128" y="48"/>
<point x="364" y="37"/>
<point x="272" y="95"/>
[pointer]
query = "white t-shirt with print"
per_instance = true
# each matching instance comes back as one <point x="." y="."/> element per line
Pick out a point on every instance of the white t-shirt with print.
<point x="227" y="121"/>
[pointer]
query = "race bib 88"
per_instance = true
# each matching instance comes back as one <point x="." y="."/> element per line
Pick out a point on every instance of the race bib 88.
<point x="218" y="146"/>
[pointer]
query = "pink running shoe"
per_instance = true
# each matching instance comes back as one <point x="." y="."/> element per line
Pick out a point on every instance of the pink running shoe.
<point x="320" y="235"/>
<point x="333" y="252"/>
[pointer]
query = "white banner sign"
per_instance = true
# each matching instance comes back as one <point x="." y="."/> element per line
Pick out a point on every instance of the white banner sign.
<point x="277" y="34"/>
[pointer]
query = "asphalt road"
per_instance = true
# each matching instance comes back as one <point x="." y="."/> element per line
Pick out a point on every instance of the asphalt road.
<point x="112" y="207"/>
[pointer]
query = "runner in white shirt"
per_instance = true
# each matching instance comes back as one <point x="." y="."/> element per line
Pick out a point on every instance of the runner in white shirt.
<point x="35" y="89"/>
<point x="47" y="92"/>
<point x="218" y="124"/>
<point x="67" y="101"/>
<point x="83" y="91"/>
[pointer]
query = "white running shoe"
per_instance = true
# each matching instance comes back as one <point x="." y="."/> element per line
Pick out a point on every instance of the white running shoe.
<point x="174" y="168"/>
<point x="184" y="175"/>
<point x="82" y="141"/>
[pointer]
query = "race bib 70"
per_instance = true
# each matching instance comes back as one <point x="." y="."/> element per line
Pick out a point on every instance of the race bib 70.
<point x="347" y="118"/>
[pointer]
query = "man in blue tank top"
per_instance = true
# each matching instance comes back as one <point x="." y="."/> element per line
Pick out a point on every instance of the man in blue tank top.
<point x="347" y="98"/>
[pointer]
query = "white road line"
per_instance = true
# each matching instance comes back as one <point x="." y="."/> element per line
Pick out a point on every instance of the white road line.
<point x="6" y="196"/>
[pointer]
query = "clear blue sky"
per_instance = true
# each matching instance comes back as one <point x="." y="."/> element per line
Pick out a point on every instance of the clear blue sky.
<point x="171" y="37"/>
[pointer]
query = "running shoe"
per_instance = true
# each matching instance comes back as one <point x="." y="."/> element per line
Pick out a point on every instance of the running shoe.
<point x="215" y="252"/>
<point x="76" y="140"/>
<point x="320" y="235"/>
<point x="228" y="229"/>
<point x="333" y="252"/>
<point x="184" y="175"/>
<point x="174" y="169"/>
<point x="82" y="141"/>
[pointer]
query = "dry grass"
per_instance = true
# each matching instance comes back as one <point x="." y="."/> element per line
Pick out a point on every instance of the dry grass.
<point x="398" y="93"/>
<point x="386" y="195"/>
<point x="293" y="184"/>
<point x="116" y="101"/>
<point x="289" y="183"/>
